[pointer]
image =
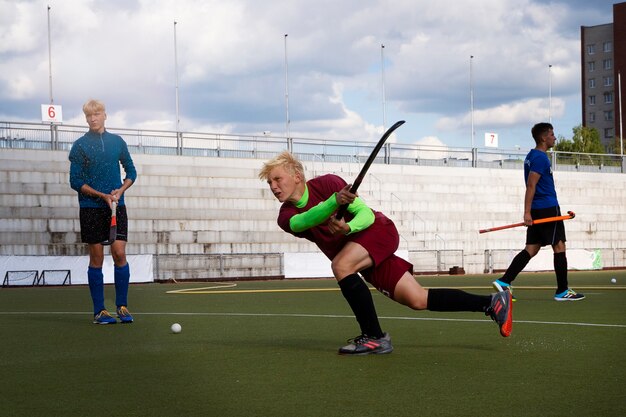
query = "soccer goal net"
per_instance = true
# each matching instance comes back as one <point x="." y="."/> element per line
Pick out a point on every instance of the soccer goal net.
<point x="34" y="277"/>
<point x="20" y="278"/>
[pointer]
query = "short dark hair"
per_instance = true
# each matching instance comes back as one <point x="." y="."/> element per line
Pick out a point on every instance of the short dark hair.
<point x="539" y="129"/>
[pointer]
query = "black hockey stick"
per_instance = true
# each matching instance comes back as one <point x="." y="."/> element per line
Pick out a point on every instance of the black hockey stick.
<point x="113" y="227"/>
<point x="359" y="178"/>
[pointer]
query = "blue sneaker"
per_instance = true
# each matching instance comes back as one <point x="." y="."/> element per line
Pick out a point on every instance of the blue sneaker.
<point x="103" y="317"/>
<point x="124" y="315"/>
<point x="569" y="295"/>
<point x="503" y="286"/>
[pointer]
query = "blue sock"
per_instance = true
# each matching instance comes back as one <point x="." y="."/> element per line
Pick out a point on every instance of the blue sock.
<point x="122" y="277"/>
<point x="95" y="277"/>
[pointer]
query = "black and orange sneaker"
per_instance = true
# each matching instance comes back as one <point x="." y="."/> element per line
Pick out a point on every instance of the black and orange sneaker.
<point x="365" y="345"/>
<point x="501" y="311"/>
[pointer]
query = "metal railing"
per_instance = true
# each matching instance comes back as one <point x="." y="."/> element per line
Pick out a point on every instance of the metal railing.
<point x="17" y="135"/>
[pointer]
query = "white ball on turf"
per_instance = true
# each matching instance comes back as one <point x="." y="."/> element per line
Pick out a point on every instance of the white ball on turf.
<point x="176" y="328"/>
<point x="613" y="280"/>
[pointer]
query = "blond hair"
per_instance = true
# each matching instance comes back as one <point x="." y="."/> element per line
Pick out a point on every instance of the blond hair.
<point x="287" y="161"/>
<point x="92" y="106"/>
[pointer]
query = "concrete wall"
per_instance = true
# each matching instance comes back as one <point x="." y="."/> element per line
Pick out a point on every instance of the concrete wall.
<point x="213" y="209"/>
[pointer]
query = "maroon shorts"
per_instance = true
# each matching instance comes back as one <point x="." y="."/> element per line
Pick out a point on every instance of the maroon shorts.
<point x="385" y="276"/>
<point x="381" y="240"/>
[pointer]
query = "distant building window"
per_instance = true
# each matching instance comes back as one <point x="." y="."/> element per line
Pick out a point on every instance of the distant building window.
<point x="592" y="83"/>
<point x="608" y="116"/>
<point x="608" y="98"/>
<point x="608" y="133"/>
<point x="608" y="81"/>
<point x="592" y="117"/>
<point x="607" y="64"/>
<point x="591" y="66"/>
<point x="591" y="49"/>
<point x="607" y="46"/>
<point x="592" y="100"/>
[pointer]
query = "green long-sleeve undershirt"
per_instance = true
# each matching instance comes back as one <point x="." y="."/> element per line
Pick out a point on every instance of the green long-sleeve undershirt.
<point x="363" y="215"/>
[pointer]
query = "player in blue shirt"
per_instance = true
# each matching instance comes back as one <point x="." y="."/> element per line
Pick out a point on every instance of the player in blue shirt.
<point x="95" y="160"/>
<point x="540" y="201"/>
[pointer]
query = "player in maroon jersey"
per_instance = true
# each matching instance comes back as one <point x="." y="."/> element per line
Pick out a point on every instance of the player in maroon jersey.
<point x="361" y="246"/>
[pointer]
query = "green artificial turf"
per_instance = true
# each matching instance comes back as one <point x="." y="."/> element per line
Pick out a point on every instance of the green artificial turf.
<point x="271" y="352"/>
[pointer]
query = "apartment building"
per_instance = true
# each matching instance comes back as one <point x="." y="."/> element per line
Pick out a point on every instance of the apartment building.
<point x="603" y="64"/>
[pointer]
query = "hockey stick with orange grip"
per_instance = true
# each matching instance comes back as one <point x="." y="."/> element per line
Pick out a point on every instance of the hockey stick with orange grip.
<point x="570" y="215"/>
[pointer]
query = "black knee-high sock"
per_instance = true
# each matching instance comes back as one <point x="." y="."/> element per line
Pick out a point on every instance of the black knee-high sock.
<point x="519" y="262"/>
<point x="360" y="299"/>
<point x="444" y="299"/>
<point x="560" y="269"/>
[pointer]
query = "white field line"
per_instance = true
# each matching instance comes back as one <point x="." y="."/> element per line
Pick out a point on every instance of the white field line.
<point x="222" y="289"/>
<point x="325" y="316"/>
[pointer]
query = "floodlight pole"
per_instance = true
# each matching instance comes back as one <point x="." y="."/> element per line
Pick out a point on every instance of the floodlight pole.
<point x="54" y="143"/>
<point x="382" y="66"/>
<point x="287" y="121"/>
<point x="472" y="98"/>
<point x="50" y="57"/>
<point x="621" y="119"/>
<point x="179" y="141"/>
<point x="550" y="93"/>
<point x="176" y="80"/>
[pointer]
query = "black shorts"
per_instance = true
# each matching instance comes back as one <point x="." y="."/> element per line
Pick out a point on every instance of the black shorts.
<point x="546" y="233"/>
<point x="95" y="224"/>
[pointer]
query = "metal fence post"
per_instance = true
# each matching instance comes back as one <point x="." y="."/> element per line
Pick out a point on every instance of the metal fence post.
<point x="54" y="137"/>
<point x="438" y="252"/>
<point x="488" y="262"/>
<point x="179" y="143"/>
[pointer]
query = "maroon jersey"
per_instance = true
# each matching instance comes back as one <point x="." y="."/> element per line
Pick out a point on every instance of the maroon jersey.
<point x="380" y="240"/>
<point x="321" y="189"/>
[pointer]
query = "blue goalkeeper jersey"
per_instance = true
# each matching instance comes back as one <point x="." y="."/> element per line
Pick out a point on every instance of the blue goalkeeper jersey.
<point x="95" y="160"/>
<point x="545" y="192"/>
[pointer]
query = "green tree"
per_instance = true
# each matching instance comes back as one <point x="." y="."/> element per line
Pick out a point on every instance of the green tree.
<point x="619" y="142"/>
<point x="586" y="140"/>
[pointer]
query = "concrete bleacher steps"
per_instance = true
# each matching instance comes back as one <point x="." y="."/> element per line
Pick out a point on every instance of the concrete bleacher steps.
<point x="185" y="205"/>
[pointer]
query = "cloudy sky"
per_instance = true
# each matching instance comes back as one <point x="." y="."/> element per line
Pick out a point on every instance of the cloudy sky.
<point x="231" y="65"/>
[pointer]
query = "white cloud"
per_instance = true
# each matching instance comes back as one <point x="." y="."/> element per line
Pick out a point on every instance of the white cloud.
<point x="231" y="63"/>
<point x="526" y="112"/>
<point x="430" y="142"/>
<point x="20" y="29"/>
<point x="20" y="87"/>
